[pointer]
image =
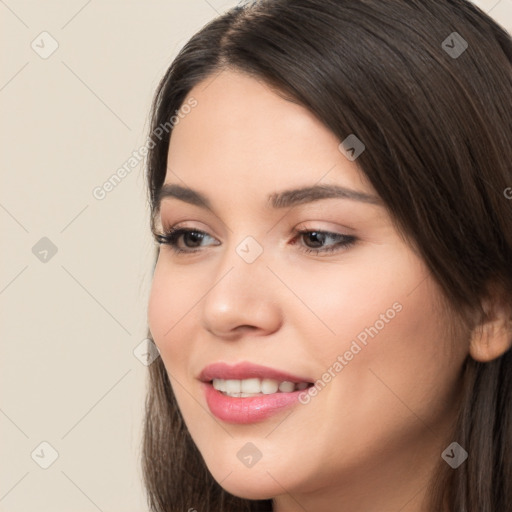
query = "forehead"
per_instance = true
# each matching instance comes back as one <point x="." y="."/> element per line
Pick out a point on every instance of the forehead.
<point x="242" y="130"/>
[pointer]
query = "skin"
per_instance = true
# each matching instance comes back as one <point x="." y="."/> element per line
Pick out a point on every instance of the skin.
<point x="371" y="437"/>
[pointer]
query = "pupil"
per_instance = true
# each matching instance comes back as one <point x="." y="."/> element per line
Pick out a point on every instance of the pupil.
<point x="316" y="234"/>
<point x="193" y="235"/>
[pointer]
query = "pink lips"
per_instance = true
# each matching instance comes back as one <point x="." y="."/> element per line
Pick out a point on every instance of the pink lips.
<point x="248" y="409"/>
<point x="246" y="370"/>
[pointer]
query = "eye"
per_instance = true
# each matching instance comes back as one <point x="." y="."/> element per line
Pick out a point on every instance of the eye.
<point x="191" y="237"/>
<point x="319" y="238"/>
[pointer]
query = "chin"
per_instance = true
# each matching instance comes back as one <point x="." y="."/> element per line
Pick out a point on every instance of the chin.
<point x="260" y="482"/>
<point x="250" y="488"/>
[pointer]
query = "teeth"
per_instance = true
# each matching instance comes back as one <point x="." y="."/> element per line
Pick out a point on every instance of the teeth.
<point x="233" y="386"/>
<point x="269" y="386"/>
<point x="250" y="386"/>
<point x="219" y="384"/>
<point x="287" y="387"/>
<point x="254" y="386"/>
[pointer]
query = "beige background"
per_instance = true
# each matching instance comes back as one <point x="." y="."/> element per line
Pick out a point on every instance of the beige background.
<point x="71" y="321"/>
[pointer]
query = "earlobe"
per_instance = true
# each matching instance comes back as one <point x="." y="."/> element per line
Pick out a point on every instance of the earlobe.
<point x="493" y="336"/>
<point x="489" y="343"/>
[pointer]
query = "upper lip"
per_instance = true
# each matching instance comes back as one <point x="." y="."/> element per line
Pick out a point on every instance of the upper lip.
<point x="246" y="370"/>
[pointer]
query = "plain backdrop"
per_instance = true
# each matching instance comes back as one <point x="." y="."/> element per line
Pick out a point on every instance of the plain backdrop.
<point x="76" y="82"/>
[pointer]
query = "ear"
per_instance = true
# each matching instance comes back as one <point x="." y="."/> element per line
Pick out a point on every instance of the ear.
<point x="492" y="336"/>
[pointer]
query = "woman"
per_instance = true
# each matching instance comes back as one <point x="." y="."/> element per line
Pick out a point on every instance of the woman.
<point x="331" y="298"/>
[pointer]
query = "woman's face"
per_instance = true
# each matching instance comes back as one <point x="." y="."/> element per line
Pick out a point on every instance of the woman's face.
<point x="362" y="318"/>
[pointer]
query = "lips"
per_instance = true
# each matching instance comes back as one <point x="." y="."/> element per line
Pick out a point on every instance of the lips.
<point x="246" y="370"/>
<point x="244" y="408"/>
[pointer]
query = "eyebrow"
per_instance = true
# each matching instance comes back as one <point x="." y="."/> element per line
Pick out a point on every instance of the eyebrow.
<point x="276" y="200"/>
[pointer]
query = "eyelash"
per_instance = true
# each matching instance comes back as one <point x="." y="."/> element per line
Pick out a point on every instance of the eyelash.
<point x="170" y="237"/>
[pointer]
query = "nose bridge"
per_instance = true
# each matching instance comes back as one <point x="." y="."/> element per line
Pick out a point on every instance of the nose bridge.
<point x="243" y="256"/>
<point x="242" y="292"/>
<point x="242" y="271"/>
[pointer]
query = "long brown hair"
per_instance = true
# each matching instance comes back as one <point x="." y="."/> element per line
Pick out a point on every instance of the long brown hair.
<point x="434" y="110"/>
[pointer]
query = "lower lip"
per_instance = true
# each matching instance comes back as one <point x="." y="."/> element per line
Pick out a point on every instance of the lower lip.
<point x="247" y="409"/>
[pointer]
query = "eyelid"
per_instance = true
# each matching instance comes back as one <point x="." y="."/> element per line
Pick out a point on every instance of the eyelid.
<point x="318" y="225"/>
<point x="309" y="225"/>
<point x="167" y="226"/>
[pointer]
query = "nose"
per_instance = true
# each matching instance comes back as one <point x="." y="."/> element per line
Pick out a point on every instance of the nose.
<point x="241" y="298"/>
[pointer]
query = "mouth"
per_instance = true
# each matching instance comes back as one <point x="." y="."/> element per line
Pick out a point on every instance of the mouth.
<point x="247" y="393"/>
<point x="256" y="387"/>
<point x="245" y="370"/>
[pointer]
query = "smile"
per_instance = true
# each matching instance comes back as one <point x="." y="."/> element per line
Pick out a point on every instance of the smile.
<point x="253" y="387"/>
<point x="247" y="393"/>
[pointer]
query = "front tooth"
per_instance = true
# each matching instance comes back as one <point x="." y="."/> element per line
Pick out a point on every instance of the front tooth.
<point x="286" y="387"/>
<point x="219" y="384"/>
<point x="250" y="386"/>
<point x="233" y="386"/>
<point x="269" y="386"/>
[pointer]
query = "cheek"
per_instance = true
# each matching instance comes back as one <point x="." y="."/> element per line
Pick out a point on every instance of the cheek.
<point x="170" y="312"/>
<point x="159" y="308"/>
<point x="397" y="353"/>
<point x="382" y="317"/>
<point x="352" y="300"/>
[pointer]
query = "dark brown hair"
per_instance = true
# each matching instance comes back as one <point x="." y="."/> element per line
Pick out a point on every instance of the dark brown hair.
<point x="436" y="119"/>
